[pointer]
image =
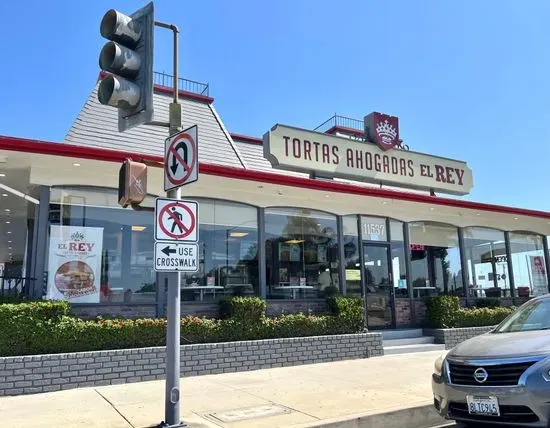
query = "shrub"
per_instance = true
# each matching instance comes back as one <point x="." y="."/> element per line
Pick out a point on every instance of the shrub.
<point x="350" y="312"/>
<point x="480" y="317"/>
<point x="442" y="311"/>
<point x="487" y="303"/>
<point x="27" y="326"/>
<point x="445" y="312"/>
<point x="44" y="310"/>
<point x="46" y="327"/>
<point x="243" y="309"/>
<point x="296" y="325"/>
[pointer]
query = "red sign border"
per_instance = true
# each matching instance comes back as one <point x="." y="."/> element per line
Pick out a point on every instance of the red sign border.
<point x="194" y="164"/>
<point x="176" y="202"/>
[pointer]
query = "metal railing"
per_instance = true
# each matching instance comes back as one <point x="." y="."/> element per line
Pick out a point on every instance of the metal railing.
<point x="355" y="124"/>
<point x="337" y="120"/>
<point x="167" y="80"/>
<point x="15" y="287"/>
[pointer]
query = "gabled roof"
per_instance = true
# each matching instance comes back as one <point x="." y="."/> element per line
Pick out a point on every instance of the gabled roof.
<point x="96" y="126"/>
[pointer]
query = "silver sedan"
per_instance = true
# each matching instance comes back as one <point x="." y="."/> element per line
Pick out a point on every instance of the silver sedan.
<point x="502" y="377"/>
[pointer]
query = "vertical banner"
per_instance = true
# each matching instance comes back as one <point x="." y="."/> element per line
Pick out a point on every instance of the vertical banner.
<point x="74" y="265"/>
<point x="538" y="269"/>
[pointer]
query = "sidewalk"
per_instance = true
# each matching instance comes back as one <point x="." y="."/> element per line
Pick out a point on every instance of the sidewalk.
<point x="298" y="396"/>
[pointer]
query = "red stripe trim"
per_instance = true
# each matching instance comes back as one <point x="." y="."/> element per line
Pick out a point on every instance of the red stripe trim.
<point x="168" y="90"/>
<point x="68" y="150"/>
<point x="247" y="138"/>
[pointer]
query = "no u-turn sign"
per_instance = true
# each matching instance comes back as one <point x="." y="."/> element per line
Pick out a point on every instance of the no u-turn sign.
<point x="181" y="160"/>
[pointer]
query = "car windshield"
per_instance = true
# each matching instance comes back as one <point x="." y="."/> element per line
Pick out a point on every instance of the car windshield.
<point x="535" y="315"/>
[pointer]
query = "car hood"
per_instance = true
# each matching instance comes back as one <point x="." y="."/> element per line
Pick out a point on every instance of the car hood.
<point x="517" y="344"/>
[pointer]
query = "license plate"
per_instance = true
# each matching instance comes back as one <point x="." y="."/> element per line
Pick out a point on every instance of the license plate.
<point x="483" y="406"/>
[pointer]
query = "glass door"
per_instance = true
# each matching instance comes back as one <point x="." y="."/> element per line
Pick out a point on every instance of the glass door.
<point x="378" y="286"/>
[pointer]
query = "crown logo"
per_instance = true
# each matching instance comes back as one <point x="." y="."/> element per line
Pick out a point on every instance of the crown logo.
<point x="386" y="131"/>
<point x="77" y="236"/>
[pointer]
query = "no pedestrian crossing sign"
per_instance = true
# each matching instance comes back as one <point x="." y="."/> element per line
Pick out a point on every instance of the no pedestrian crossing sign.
<point x="176" y="220"/>
<point x="176" y="235"/>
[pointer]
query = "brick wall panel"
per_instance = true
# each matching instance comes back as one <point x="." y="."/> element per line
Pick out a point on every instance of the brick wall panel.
<point x="32" y="374"/>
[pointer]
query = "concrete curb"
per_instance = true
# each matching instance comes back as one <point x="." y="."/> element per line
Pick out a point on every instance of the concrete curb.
<point x="412" y="417"/>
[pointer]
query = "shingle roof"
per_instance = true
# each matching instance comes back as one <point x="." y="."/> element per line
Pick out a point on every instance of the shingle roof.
<point x="96" y="126"/>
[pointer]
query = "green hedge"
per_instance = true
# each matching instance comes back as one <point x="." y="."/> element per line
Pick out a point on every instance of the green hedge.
<point x="245" y="309"/>
<point x="350" y="310"/>
<point x="46" y="327"/>
<point x="479" y="317"/>
<point x="442" y="311"/>
<point x="445" y="312"/>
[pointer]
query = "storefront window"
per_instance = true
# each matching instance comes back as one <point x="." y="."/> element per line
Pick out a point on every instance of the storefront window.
<point x="435" y="259"/>
<point x="301" y="253"/>
<point x="352" y="256"/>
<point x="400" y="283"/>
<point x="485" y="252"/>
<point x="228" y="253"/>
<point x="373" y="229"/>
<point x="99" y="252"/>
<point x="528" y="264"/>
<point x="16" y="236"/>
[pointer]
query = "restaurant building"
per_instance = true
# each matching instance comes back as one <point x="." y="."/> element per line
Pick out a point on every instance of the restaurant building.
<point x="292" y="216"/>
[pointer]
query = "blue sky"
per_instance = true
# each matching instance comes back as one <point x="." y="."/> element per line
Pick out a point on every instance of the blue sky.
<point x="468" y="79"/>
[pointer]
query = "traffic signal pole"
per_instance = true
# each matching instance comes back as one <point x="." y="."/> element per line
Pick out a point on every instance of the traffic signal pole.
<point x="173" y="308"/>
<point x="128" y="87"/>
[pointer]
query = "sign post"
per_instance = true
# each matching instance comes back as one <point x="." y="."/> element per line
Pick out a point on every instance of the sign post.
<point x="176" y="236"/>
<point x="173" y="298"/>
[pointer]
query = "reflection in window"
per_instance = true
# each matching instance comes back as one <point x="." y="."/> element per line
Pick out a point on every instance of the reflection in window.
<point x="528" y="264"/>
<point x="125" y="270"/>
<point x="485" y="252"/>
<point x="228" y="253"/>
<point x="435" y="259"/>
<point x="301" y="253"/>
<point x="398" y="259"/>
<point x="351" y="256"/>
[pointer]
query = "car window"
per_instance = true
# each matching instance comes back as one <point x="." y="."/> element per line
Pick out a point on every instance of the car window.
<point x="535" y="315"/>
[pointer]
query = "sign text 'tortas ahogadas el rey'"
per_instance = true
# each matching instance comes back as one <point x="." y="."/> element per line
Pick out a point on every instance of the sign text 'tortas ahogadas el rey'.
<point x="302" y="150"/>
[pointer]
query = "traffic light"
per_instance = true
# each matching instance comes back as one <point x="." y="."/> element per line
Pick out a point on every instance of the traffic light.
<point x="128" y="60"/>
<point x="132" y="183"/>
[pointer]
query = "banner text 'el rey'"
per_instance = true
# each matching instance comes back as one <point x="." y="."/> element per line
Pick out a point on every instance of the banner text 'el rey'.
<point x="300" y="150"/>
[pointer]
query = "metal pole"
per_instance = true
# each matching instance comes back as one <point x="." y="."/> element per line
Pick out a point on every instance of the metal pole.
<point x="463" y="264"/>
<point x="173" y="298"/>
<point x="341" y="255"/>
<point x="362" y="271"/>
<point x="408" y="270"/>
<point x="546" y="260"/>
<point x="512" y="280"/>
<point x="261" y="254"/>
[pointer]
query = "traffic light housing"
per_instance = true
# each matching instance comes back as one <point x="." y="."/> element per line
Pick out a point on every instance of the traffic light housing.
<point x="127" y="60"/>
<point x="132" y="183"/>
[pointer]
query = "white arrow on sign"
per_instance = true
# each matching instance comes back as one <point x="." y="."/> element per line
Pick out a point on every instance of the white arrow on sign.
<point x="176" y="257"/>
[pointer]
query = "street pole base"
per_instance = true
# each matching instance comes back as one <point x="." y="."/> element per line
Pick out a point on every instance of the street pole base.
<point x="165" y="425"/>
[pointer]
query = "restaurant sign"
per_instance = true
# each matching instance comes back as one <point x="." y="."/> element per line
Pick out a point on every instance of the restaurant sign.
<point x="295" y="149"/>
